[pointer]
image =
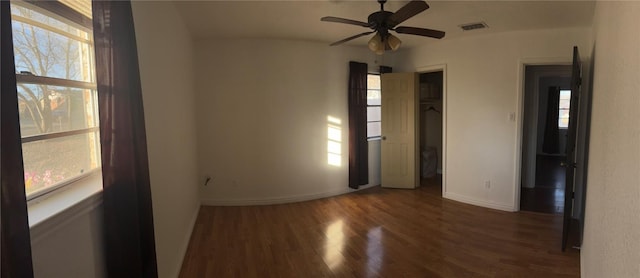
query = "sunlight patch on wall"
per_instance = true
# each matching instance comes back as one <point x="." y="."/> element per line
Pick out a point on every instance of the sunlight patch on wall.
<point x="334" y="142"/>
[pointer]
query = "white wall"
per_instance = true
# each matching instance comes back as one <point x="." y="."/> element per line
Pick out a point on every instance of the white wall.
<point x="70" y="244"/>
<point x="611" y="247"/>
<point x="483" y="87"/>
<point x="262" y="119"/>
<point x="165" y="54"/>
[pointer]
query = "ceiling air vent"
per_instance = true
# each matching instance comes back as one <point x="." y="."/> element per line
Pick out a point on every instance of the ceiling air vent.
<point x="473" y="26"/>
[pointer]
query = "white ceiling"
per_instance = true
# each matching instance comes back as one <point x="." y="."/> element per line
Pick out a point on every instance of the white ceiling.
<point x="296" y="19"/>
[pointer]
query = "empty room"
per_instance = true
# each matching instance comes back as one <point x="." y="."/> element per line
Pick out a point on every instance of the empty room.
<point x="320" y="138"/>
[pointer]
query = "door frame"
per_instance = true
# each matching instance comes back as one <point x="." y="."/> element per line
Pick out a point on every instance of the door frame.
<point x="436" y="68"/>
<point x="521" y="87"/>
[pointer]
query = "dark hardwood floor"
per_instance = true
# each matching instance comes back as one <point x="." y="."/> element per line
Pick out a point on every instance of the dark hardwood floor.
<point x="548" y="194"/>
<point x="377" y="233"/>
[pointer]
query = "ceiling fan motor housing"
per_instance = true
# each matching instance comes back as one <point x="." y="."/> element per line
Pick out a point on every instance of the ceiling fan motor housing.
<point x="377" y="22"/>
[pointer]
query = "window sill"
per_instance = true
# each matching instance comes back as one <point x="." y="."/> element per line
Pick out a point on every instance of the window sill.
<point x="65" y="204"/>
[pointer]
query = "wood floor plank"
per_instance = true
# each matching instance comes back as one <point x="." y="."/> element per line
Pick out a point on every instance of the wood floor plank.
<point x="376" y="233"/>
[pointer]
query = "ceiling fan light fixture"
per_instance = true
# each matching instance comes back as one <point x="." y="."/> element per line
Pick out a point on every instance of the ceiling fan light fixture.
<point x="394" y="42"/>
<point x="375" y="43"/>
<point x="378" y="45"/>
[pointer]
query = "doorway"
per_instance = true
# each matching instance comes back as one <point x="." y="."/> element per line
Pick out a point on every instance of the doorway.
<point x="546" y="115"/>
<point x="430" y="130"/>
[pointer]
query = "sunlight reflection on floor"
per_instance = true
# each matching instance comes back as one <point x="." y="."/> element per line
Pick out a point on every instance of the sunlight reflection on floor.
<point x="375" y="251"/>
<point x="334" y="244"/>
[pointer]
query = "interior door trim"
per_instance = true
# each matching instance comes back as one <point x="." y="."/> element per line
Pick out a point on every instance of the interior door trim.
<point x="520" y="83"/>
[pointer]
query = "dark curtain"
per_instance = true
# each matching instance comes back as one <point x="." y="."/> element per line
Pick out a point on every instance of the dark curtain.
<point x="551" y="142"/>
<point x="128" y="215"/>
<point x="358" y="145"/>
<point x="14" y="227"/>
<point x="385" y="69"/>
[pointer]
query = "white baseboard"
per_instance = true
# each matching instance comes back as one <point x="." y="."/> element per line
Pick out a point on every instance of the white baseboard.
<point x="185" y="242"/>
<point x="476" y="202"/>
<point x="280" y="200"/>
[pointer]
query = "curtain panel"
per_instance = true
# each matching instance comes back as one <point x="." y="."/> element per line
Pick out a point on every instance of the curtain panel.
<point x="358" y="145"/>
<point x="551" y="141"/>
<point x="14" y="225"/>
<point x="128" y="216"/>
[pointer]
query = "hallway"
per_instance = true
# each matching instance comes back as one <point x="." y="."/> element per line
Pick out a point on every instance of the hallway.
<point x="548" y="194"/>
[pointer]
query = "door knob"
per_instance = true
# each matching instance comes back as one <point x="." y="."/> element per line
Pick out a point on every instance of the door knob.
<point x="384" y="137"/>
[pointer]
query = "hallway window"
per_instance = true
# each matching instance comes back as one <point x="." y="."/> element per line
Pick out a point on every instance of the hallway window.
<point x="565" y="104"/>
<point x="374" y="100"/>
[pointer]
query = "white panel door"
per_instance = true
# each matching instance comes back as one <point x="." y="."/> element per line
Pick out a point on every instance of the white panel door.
<point x="399" y="159"/>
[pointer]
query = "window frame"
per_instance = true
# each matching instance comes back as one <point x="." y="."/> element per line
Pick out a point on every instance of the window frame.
<point x="67" y="15"/>
<point x="379" y="137"/>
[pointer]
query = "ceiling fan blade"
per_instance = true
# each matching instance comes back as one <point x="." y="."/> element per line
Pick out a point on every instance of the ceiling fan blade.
<point x="351" y="38"/>
<point x="420" y="32"/>
<point x="344" y="20"/>
<point x="408" y="11"/>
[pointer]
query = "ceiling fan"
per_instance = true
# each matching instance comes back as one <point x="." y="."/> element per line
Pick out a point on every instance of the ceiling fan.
<point x="382" y="22"/>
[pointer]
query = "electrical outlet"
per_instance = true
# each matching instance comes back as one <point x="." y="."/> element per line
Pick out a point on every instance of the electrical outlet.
<point x="487" y="184"/>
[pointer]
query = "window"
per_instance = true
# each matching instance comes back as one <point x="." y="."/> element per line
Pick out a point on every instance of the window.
<point x="374" y="100"/>
<point x="57" y="98"/>
<point x="565" y="104"/>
